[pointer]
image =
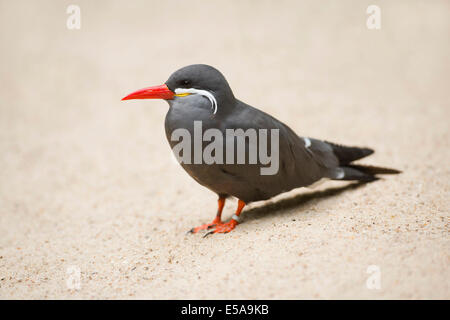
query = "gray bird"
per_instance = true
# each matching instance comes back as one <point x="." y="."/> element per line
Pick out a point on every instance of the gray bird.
<point x="200" y="93"/>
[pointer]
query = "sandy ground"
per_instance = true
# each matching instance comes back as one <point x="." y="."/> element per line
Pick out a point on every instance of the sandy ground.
<point x="87" y="182"/>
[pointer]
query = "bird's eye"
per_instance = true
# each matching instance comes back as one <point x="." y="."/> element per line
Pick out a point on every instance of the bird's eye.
<point x="185" y="82"/>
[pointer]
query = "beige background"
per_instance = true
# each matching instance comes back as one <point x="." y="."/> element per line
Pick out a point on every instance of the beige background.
<point x="87" y="180"/>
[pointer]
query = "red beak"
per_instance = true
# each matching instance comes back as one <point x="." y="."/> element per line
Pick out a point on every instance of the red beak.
<point x="156" y="92"/>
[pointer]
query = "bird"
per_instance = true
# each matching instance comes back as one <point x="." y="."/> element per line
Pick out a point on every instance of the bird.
<point x="200" y="93"/>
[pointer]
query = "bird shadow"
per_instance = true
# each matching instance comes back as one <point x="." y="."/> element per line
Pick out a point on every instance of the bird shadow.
<point x="282" y="206"/>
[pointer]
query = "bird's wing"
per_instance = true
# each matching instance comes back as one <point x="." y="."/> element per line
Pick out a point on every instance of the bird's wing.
<point x="301" y="162"/>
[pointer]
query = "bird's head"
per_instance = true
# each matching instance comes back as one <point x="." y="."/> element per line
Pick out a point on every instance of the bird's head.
<point x="197" y="79"/>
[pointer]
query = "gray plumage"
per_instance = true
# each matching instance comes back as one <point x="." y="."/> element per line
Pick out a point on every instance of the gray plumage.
<point x="301" y="161"/>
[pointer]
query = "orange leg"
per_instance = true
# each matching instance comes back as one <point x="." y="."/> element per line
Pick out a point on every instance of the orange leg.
<point x="230" y="225"/>
<point x="217" y="220"/>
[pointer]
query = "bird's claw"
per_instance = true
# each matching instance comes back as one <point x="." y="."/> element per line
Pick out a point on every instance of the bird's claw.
<point x="206" y="226"/>
<point x="223" y="228"/>
<point x="208" y="233"/>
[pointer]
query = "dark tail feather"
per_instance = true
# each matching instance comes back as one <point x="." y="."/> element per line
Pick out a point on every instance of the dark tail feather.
<point x="374" y="170"/>
<point x="346" y="155"/>
<point x="349" y="173"/>
<point x="359" y="172"/>
<point x="362" y="173"/>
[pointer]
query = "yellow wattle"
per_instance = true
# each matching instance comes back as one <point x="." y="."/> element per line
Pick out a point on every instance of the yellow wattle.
<point x="182" y="94"/>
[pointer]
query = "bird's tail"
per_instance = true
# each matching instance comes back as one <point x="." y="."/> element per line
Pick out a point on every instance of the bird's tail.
<point x="349" y="171"/>
<point x="346" y="154"/>
<point x="362" y="172"/>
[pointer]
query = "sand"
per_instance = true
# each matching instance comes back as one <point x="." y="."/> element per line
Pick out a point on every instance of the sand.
<point x="88" y="184"/>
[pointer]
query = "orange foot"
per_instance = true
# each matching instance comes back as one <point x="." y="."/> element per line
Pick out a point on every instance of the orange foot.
<point x="223" y="228"/>
<point x="205" y="226"/>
